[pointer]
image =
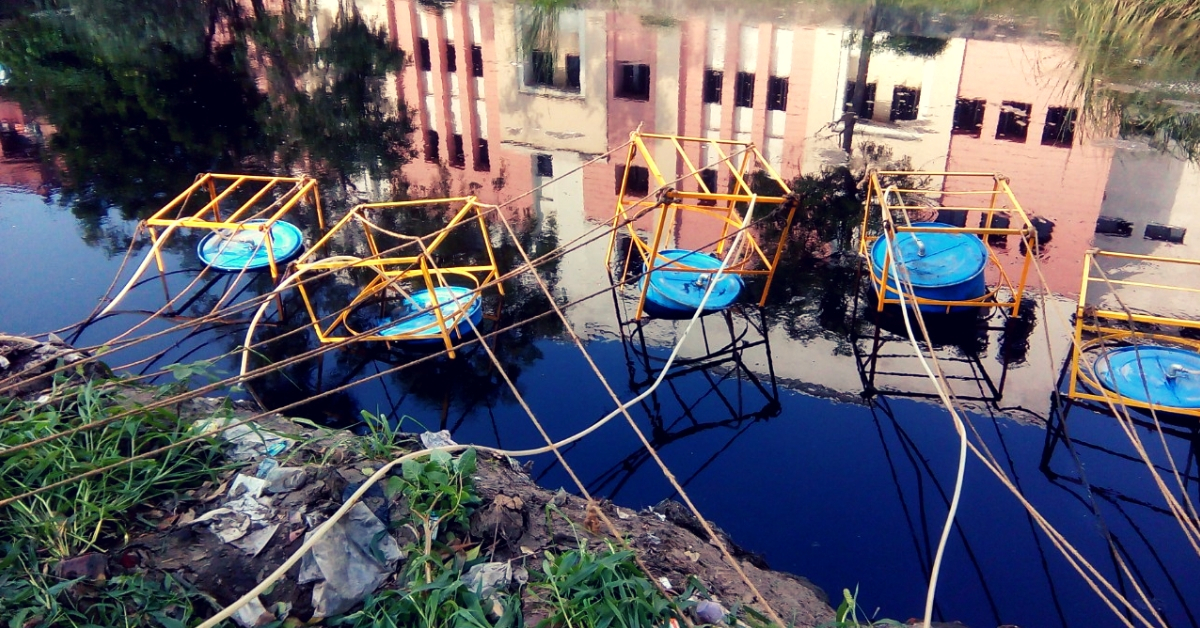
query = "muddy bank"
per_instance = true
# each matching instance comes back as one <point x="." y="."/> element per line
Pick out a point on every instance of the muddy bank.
<point x="280" y="479"/>
<point x="515" y="522"/>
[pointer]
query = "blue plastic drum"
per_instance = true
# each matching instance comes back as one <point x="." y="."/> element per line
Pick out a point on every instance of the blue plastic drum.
<point x="951" y="268"/>
<point x="246" y="249"/>
<point x="423" y="325"/>
<point x="1171" y="375"/>
<point x="678" y="293"/>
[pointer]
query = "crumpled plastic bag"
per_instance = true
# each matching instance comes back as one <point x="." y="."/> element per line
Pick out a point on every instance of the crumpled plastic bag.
<point x="353" y="559"/>
<point x="437" y="439"/>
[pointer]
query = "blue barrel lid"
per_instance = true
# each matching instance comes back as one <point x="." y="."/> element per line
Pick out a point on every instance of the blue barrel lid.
<point x="452" y="301"/>
<point x="950" y="258"/>
<point x="246" y="249"/>
<point x="682" y="290"/>
<point x="1172" y="374"/>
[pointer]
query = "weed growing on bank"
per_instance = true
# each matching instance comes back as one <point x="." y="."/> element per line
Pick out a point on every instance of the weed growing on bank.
<point x="439" y="584"/>
<point x="94" y="513"/>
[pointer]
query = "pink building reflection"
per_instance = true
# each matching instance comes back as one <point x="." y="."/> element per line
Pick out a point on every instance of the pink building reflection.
<point x="20" y="139"/>
<point x="497" y="116"/>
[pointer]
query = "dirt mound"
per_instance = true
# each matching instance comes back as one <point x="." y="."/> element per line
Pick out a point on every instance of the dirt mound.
<point x="516" y="523"/>
<point x="26" y="364"/>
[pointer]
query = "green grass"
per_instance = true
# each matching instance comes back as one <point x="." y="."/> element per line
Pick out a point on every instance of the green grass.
<point x="128" y="601"/>
<point x="81" y="515"/>
<point x="439" y="492"/>
<point x="600" y="589"/>
<point x="92" y="514"/>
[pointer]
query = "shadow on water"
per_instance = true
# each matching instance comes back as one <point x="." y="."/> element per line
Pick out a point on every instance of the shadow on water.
<point x="462" y="384"/>
<point x="713" y="390"/>
<point x="1115" y="502"/>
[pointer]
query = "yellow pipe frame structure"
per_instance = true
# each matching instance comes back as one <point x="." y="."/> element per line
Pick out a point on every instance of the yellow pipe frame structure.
<point x="735" y="158"/>
<point x="893" y="218"/>
<point x="1096" y="328"/>
<point x="209" y="216"/>
<point x="393" y="270"/>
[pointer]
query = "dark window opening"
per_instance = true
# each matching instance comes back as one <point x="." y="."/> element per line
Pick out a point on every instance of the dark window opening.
<point x="638" y="181"/>
<point x="968" y="117"/>
<point x="867" y="111"/>
<point x="541" y="68"/>
<point x="709" y="176"/>
<point x="1165" y="233"/>
<point x="458" y="158"/>
<point x="1014" y="121"/>
<point x="999" y="221"/>
<point x="904" y="103"/>
<point x="451" y="58"/>
<point x="952" y="217"/>
<point x="633" y="81"/>
<point x="1060" y="127"/>
<point x="431" y="146"/>
<point x="573" y="73"/>
<point x="545" y="165"/>
<point x="743" y="90"/>
<point x="714" y="81"/>
<point x="777" y="92"/>
<point x="482" y="160"/>
<point x="1107" y="225"/>
<point x="1043" y="228"/>
<point x="423" y="57"/>
<point x="476" y="61"/>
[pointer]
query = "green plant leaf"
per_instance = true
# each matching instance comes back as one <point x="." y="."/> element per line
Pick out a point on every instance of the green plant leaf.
<point x="411" y="470"/>
<point x="392" y="487"/>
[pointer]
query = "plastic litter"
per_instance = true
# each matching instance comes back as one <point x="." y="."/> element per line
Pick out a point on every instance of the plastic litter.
<point x="374" y="499"/>
<point x="227" y="524"/>
<point x="247" y="442"/>
<point x="255" y="541"/>
<point x="710" y="612"/>
<point x="351" y="560"/>
<point x="488" y="578"/>
<point x="245" y="509"/>
<point x="245" y="497"/>
<point x="285" y="479"/>
<point x="437" y="439"/>
<point x="265" y="467"/>
<point x="253" y="615"/>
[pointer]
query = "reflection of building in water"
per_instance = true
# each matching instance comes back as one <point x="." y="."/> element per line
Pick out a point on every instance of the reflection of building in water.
<point x="1016" y="116"/>
<point x="909" y="99"/>
<point x="501" y="107"/>
<point x="1149" y="208"/>
<point x="507" y="98"/>
<point x="20" y="143"/>
<point x="976" y="106"/>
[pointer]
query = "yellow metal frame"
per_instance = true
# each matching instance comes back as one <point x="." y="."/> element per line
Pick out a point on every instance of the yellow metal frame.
<point x="737" y="158"/>
<point x="209" y="216"/>
<point x="1001" y="201"/>
<point x="391" y="269"/>
<point x="1096" y="327"/>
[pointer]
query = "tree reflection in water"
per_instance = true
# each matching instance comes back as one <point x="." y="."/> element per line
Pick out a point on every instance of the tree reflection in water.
<point x="137" y="115"/>
<point x="814" y="288"/>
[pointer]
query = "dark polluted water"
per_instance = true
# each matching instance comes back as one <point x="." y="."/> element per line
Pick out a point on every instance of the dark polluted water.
<point x="764" y="421"/>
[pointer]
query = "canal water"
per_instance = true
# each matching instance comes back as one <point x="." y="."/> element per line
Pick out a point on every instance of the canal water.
<point x="792" y="427"/>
